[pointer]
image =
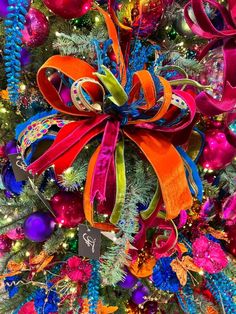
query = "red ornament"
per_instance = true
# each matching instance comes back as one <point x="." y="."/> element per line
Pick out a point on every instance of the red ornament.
<point x="69" y="9"/>
<point x="36" y="28"/>
<point x="68" y="207"/>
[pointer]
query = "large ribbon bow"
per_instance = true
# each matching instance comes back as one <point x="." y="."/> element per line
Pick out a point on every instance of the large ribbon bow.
<point x="202" y="26"/>
<point x="106" y="170"/>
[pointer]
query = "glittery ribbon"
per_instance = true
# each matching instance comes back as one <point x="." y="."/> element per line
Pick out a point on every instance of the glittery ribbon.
<point x="203" y="27"/>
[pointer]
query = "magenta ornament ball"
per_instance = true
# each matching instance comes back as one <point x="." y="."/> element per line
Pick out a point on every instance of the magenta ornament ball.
<point x="36" y="28"/>
<point x="129" y="281"/>
<point x="65" y="95"/>
<point x="39" y="226"/>
<point x="68" y="208"/>
<point x="139" y="295"/>
<point x="68" y="9"/>
<point x="218" y="152"/>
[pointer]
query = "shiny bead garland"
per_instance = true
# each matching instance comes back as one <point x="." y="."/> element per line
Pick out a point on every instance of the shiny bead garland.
<point x="223" y="290"/>
<point x="14" y="23"/>
<point x="93" y="287"/>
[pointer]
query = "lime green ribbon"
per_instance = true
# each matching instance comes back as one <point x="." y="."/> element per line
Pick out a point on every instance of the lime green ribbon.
<point x="120" y="183"/>
<point x="118" y="95"/>
<point x="145" y="214"/>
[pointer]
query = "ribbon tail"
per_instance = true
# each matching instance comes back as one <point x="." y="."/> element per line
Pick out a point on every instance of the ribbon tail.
<point x="79" y="129"/>
<point x="145" y="214"/>
<point x="88" y="205"/>
<point x="120" y="183"/>
<point x="169" y="168"/>
<point x="194" y="179"/>
<point x="110" y="136"/>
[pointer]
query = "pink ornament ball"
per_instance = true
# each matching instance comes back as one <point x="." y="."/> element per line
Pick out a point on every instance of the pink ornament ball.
<point x="36" y="28"/>
<point x="218" y="152"/>
<point x="68" y="208"/>
<point x="68" y="9"/>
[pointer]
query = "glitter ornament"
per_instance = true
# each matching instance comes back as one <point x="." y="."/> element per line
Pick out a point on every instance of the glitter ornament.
<point x="181" y="26"/>
<point x="68" y="9"/>
<point x="68" y="208"/>
<point x="217" y="152"/>
<point x="39" y="226"/>
<point x="143" y="16"/>
<point x="36" y="28"/>
<point x="212" y="74"/>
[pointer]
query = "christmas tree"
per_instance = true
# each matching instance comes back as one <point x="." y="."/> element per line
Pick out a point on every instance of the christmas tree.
<point x="118" y="156"/>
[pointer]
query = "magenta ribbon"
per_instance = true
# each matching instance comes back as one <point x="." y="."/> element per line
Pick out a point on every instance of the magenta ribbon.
<point x="105" y="156"/>
<point x="203" y="27"/>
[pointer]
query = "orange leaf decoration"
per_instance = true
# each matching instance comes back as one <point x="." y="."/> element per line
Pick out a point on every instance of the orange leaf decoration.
<point x="211" y="310"/>
<point x="182" y="248"/>
<point x="101" y="309"/>
<point x="4" y="94"/>
<point x="218" y="234"/>
<point x="38" y="259"/>
<point x="144" y="269"/>
<point x="45" y="263"/>
<point x="15" y="267"/>
<point x="182" y="267"/>
<point x="41" y="261"/>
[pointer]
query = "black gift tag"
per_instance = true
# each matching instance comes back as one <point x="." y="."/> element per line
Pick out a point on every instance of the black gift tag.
<point x="89" y="242"/>
<point x="19" y="167"/>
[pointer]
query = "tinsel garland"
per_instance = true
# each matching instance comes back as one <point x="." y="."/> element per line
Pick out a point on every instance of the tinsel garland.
<point x="14" y="23"/>
<point x="93" y="287"/>
<point x="223" y="290"/>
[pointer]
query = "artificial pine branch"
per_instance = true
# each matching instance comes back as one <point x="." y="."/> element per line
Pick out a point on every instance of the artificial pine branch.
<point x="52" y="245"/>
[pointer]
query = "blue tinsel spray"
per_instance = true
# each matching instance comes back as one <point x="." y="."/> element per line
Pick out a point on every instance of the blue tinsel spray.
<point x="14" y="24"/>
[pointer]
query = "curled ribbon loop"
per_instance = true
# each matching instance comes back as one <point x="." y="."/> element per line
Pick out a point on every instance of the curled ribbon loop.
<point x="203" y="27"/>
<point x="79" y="99"/>
<point x="106" y="167"/>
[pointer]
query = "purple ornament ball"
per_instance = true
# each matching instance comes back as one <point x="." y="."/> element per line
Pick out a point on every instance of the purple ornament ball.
<point x="3" y="8"/>
<point x="11" y="148"/>
<point x="39" y="226"/>
<point x="139" y="295"/>
<point x="129" y="281"/>
<point x="36" y="28"/>
<point x="25" y="57"/>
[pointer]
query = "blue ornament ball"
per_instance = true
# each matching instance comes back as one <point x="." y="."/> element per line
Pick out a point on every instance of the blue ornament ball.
<point x="9" y="180"/>
<point x="39" y="226"/>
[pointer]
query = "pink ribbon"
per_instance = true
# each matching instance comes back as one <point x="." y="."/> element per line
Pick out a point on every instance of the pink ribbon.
<point x="104" y="160"/>
<point x="203" y="27"/>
